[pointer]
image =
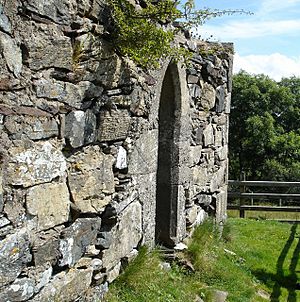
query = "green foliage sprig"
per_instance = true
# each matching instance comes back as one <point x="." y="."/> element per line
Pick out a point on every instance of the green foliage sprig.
<point x="145" y="33"/>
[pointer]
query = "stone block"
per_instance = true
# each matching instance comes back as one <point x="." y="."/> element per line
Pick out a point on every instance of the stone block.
<point x="191" y="215"/>
<point x="59" y="11"/>
<point x="19" y="290"/>
<point x="126" y="235"/>
<point x="48" y="48"/>
<point x="50" y="203"/>
<point x="14" y="255"/>
<point x="221" y="93"/>
<point x="11" y="53"/>
<point x="208" y="96"/>
<point x="34" y="163"/>
<point x="46" y="250"/>
<point x="114" y="125"/>
<point x="66" y="286"/>
<point x="221" y="205"/>
<point x="208" y="136"/>
<point x="76" y="239"/>
<point x="195" y="155"/>
<point x="5" y="25"/>
<point x="143" y="157"/>
<point x="90" y="179"/>
<point x="31" y="127"/>
<point x="114" y="273"/>
<point x="121" y="162"/>
<point x="80" y="128"/>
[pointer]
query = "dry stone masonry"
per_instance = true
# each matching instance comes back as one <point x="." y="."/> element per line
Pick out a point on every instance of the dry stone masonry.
<point x="98" y="157"/>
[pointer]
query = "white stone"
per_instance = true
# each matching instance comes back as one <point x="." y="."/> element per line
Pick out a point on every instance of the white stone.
<point x="121" y="162"/>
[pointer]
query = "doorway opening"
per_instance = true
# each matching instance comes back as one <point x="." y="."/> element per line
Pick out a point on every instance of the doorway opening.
<point x="167" y="166"/>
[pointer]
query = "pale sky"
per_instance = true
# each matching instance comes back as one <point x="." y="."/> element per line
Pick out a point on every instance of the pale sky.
<point x="266" y="42"/>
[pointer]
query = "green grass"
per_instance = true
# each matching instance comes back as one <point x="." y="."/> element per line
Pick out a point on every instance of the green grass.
<point x="264" y="260"/>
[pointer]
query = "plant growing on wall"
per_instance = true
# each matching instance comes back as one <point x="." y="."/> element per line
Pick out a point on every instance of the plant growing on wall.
<point x="145" y="33"/>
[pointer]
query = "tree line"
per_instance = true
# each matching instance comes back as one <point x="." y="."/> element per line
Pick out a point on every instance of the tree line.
<point x="264" y="133"/>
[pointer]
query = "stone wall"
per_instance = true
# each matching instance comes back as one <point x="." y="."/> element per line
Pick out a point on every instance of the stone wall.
<point x="98" y="157"/>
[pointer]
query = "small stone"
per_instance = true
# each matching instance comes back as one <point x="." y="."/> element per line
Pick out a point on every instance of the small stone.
<point x="121" y="162"/>
<point x="96" y="264"/>
<point x="180" y="247"/>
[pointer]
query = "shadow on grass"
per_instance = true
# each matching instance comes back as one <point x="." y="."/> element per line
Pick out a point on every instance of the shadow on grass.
<point x="279" y="279"/>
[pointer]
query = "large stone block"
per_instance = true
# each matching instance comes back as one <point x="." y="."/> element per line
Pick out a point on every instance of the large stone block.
<point x="31" y="127"/>
<point x="143" y="157"/>
<point x="126" y="235"/>
<point x="50" y="203"/>
<point x="34" y="163"/>
<point x="91" y="178"/>
<point x="66" y="286"/>
<point x="19" y="290"/>
<point x="208" y="135"/>
<point x="12" y="54"/>
<point x="208" y="96"/>
<point x="80" y="128"/>
<point x="60" y="11"/>
<point x="114" y="125"/>
<point x="48" y="48"/>
<point x="76" y="239"/>
<point x="14" y="255"/>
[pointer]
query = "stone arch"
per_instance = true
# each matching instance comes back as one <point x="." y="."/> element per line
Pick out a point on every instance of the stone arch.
<point x="170" y="202"/>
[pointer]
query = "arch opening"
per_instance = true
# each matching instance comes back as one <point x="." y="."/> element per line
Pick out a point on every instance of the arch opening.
<point x="167" y="167"/>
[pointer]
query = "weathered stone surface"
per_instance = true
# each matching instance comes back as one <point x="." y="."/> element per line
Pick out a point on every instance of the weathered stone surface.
<point x="59" y="11"/>
<point x="1" y="188"/>
<point x="143" y="158"/>
<point x="34" y="128"/>
<point x="221" y="206"/>
<point x="50" y="203"/>
<point x="195" y="155"/>
<point x="126" y="235"/>
<point x="221" y="93"/>
<point x="4" y="21"/>
<point x="34" y="164"/>
<point x="191" y="215"/>
<point x="208" y="96"/>
<point x="114" y="125"/>
<point x="11" y="53"/>
<point x="14" y="255"/>
<point x="19" y="290"/>
<point x="48" y="48"/>
<point x="208" y="135"/>
<point x="46" y="248"/>
<point x="76" y="239"/>
<point x="90" y="178"/>
<point x="66" y="287"/>
<point x="65" y="92"/>
<point x="147" y="197"/>
<point x="113" y="273"/>
<point x="80" y="128"/>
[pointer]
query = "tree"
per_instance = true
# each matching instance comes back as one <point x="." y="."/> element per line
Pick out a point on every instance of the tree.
<point x="264" y="133"/>
<point x="143" y="30"/>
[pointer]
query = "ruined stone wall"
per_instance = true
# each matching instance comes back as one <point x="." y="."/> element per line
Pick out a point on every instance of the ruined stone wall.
<point x="93" y="163"/>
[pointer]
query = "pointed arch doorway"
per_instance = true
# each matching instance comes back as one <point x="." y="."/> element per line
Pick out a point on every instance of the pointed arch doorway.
<point x="169" y="207"/>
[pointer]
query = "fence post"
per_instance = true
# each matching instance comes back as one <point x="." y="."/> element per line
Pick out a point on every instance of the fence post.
<point x="242" y="190"/>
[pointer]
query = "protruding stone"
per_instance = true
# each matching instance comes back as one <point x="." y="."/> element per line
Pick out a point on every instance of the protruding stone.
<point x="14" y="255"/>
<point x="76" y="239"/>
<point x="208" y="135"/>
<point x="114" y="125"/>
<point x="80" y="128"/>
<point x="11" y="53"/>
<point x="50" y="203"/>
<point x="121" y="162"/>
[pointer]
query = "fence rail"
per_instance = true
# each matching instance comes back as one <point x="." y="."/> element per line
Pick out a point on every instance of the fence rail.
<point x="242" y="195"/>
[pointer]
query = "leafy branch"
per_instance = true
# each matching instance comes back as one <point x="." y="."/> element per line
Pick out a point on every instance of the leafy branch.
<point x="145" y="33"/>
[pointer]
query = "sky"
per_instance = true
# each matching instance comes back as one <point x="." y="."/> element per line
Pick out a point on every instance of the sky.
<point x="266" y="42"/>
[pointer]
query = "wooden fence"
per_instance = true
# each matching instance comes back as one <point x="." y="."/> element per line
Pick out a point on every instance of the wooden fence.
<point x="242" y="195"/>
